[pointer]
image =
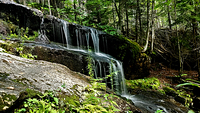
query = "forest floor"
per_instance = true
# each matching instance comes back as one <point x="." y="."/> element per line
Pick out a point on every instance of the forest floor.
<point x="166" y="74"/>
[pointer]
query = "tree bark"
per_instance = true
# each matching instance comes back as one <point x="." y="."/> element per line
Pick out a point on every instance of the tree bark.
<point x="140" y="22"/>
<point x="49" y="7"/>
<point x="169" y="16"/>
<point x="153" y="33"/>
<point x="127" y="28"/>
<point x="113" y="9"/>
<point x="179" y="47"/>
<point x="147" y="32"/>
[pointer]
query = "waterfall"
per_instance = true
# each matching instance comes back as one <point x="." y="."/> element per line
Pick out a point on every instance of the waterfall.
<point x="87" y="38"/>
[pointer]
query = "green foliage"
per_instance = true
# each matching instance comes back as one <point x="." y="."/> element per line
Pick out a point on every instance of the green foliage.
<point x="108" y="29"/>
<point x="187" y="97"/>
<point x="90" y="67"/>
<point x="42" y="105"/>
<point x="190" y="82"/>
<point x="146" y="83"/>
<point x="25" y="55"/>
<point x="159" y="111"/>
<point x="6" y="100"/>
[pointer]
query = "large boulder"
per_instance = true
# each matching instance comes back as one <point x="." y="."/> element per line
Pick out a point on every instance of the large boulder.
<point x="20" y="14"/>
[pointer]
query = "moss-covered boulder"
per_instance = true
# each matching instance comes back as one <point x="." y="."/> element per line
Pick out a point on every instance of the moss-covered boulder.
<point x="145" y="84"/>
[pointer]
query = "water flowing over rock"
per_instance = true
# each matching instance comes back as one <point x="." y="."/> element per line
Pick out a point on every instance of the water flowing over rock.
<point x="74" y="36"/>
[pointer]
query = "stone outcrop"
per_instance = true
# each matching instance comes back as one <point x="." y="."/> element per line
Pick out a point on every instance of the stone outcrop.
<point x="17" y="74"/>
<point x="20" y="14"/>
<point x="75" y="61"/>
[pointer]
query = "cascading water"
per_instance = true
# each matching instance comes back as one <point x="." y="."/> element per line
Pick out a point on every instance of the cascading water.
<point x="85" y="39"/>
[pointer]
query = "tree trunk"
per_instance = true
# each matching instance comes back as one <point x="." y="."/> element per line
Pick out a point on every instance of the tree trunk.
<point x="118" y="10"/>
<point x="153" y="33"/>
<point x="49" y="7"/>
<point x="169" y="16"/>
<point x="179" y="47"/>
<point x="147" y="32"/>
<point x="127" y="29"/>
<point x="136" y="21"/>
<point x="113" y="9"/>
<point x="75" y="13"/>
<point x="195" y="27"/>
<point x="140" y="22"/>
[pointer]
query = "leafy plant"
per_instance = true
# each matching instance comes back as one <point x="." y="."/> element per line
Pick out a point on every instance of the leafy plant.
<point x="25" y="55"/>
<point x="190" y="82"/>
<point x="42" y="105"/>
<point x="159" y="111"/>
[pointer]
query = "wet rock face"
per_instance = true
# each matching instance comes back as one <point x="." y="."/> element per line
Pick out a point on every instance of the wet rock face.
<point x="21" y="15"/>
<point x="135" y="64"/>
<point x="73" y="60"/>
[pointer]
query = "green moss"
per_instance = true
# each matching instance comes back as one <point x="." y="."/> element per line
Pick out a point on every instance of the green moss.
<point x="6" y="100"/>
<point x="3" y="75"/>
<point x="32" y="93"/>
<point x="146" y="83"/>
<point x="72" y="100"/>
<point x="131" y="45"/>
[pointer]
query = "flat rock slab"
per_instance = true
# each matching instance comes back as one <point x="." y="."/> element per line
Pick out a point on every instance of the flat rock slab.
<point x="18" y="74"/>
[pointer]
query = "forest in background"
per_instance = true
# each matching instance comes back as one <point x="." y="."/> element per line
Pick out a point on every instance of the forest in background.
<point x="166" y="28"/>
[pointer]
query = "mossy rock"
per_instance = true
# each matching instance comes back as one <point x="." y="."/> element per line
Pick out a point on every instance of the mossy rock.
<point x="170" y="91"/>
<point x="6" y="100"/>
<point x="146" y="83"/>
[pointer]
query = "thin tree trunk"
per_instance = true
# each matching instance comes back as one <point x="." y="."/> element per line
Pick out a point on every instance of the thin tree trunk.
<point x="114" y="17"/>
<point x="179" y="47"/>
<point x="169" y="16"/>
<point x="49" y="7"/>
<point x="147" y="32"/>
<point x="153" y="33"/>
<point x="119" y="26"/>
<point x="127" y="28"/>
<point x="136" y="21"/>
<point x="140" y="22"/>
<point x="75" y="13"/>
<point x="195" y="27"/>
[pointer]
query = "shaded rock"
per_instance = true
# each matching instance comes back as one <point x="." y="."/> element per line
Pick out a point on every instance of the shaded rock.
<point x="21" y="15"/>
<point x="42" y="38"/>
<point x="76" y="61"/>
<point x="3" y="29"/>
<point x="196" y="103"/>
